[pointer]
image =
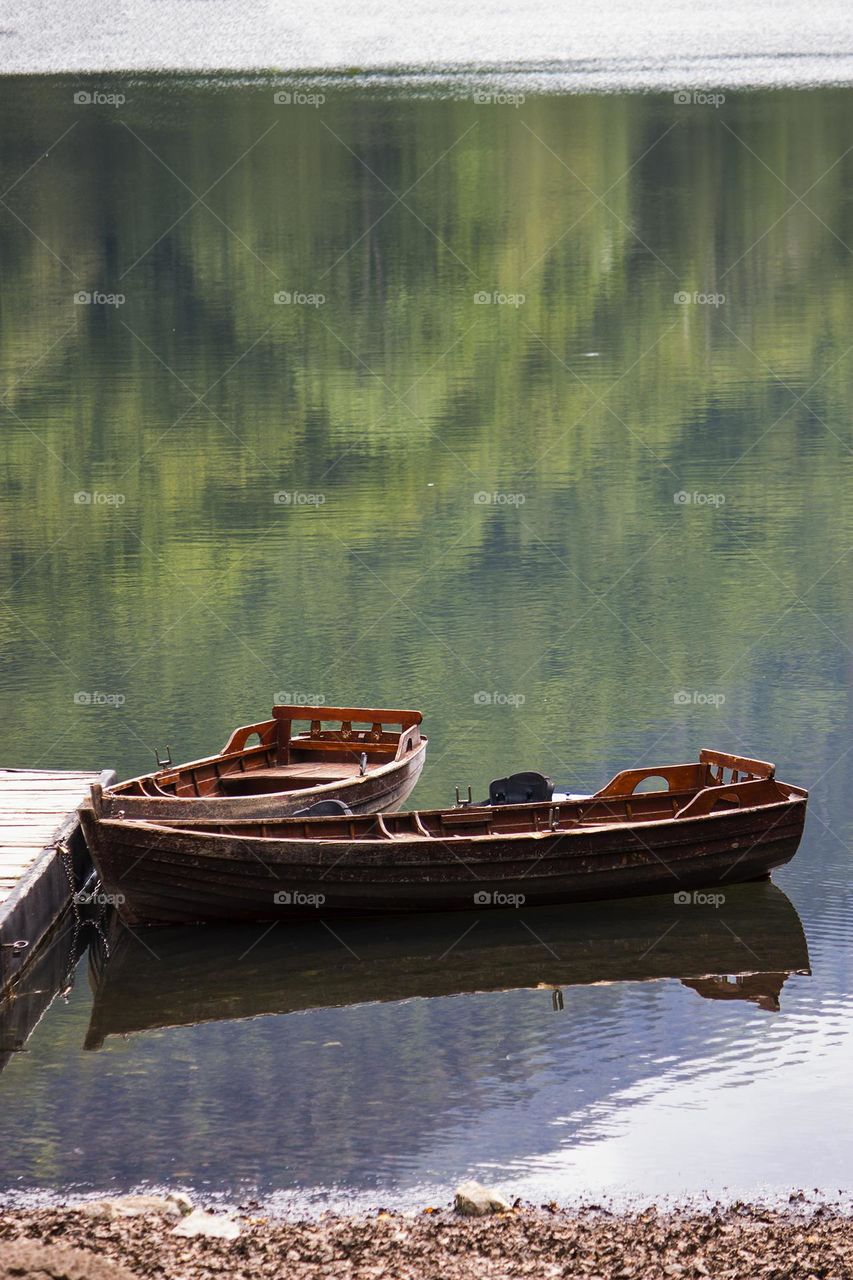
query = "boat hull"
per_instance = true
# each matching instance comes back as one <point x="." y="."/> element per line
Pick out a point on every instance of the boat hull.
<point x="161" y="874"/>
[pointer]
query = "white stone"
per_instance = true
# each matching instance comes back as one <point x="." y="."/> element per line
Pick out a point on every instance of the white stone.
<point x="201" y="1223"/>
<point x="182" y="1202"/>
<point x="475" y="1201"/>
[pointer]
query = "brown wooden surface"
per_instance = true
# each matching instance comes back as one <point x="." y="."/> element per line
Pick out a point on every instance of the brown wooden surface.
<point x="332" y="773"/>
<point x="359" y="715"/>
<point x="294" y="744"/>
<point x="738" y="764"/>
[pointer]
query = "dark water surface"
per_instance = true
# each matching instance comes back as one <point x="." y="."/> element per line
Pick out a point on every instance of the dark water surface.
<point x="602" y="518"/>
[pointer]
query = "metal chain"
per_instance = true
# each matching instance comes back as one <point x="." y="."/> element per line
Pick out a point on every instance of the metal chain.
<point x="68" y="863"/>
<point x="79" y="920"/>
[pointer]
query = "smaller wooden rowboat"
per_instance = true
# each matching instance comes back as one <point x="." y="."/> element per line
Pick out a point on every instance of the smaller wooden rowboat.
<point x="368" y="759"/>
<point x="722" y="820"/>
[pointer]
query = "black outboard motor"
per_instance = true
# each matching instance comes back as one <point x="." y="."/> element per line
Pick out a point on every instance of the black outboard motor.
<point x="521" y="788"/>
<point x="324" y="809"/>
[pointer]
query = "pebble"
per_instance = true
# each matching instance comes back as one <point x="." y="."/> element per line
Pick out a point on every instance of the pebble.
<point x="173" y="1206"/>
<point x="217" y="1226"/>
<point x="473" y="1200"/>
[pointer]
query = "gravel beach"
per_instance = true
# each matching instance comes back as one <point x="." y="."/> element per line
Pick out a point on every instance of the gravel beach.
<point x="812" y="1243"/>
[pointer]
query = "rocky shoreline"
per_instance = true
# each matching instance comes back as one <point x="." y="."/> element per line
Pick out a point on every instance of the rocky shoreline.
<point x="740" y="1241"/>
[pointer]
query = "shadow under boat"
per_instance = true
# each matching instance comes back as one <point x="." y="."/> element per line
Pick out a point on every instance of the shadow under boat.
<point x="743" y="949"/>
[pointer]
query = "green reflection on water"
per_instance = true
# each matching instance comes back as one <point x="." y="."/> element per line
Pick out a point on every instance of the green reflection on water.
<point x="593" y="595"/>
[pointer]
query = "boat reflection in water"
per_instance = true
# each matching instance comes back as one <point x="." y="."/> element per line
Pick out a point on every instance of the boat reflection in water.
<point x="743" y="949"/>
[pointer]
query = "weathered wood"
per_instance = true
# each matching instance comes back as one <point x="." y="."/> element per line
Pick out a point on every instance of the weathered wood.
<point x="23" y="836"/>
<point x="602" y="847"/>
<point x="63" y="775"/>
<point x="34" y="887"/>
<point x="285" y="770"/>
<point x="11" y="805"/>
<point x="356" y="715"/>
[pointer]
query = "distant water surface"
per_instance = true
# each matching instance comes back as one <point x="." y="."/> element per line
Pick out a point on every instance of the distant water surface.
<point x="588" y="44"/>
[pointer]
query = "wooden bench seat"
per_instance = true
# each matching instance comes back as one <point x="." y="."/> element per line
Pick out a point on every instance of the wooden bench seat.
<point x="286" y="777"/>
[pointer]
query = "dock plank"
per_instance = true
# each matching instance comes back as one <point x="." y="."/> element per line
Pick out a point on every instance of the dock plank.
<point x="38" y="808"/>
<point x="64" y="775"/>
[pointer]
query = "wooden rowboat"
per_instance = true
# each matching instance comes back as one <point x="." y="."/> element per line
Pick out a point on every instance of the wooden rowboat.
<point x="193" y="974"/>
<point x="368" y="759"/>
<point x="711" y="824"/>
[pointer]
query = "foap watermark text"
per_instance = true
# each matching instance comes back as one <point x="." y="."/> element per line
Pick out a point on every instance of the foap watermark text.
<point x="484" y="499"/>
<point x="98" y="899"/>
<point x="698" y="898"/>
<point x="486" y="898"/>
<point x="495" y="298"/>
<point x="483" y="99"/>
<point x="98" y="498"/>
<point x="297" y="498"/>
<point x="696" y="298"/>
<point x="696" y="698"/>
<point x="698" y="98"/>
<point x="83" y="698"/>
<point x="485" y="699"/>
<point x="97" y="298"/>
<point x="298" y="98"/>
<point x="295" y="298"/>
<point x="685" y="499"/>
<point x="97" y="98"/>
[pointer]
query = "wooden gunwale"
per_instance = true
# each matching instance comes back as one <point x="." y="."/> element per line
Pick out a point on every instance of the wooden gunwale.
<point x="178" y="842"/>
<point x="287" y="831"/>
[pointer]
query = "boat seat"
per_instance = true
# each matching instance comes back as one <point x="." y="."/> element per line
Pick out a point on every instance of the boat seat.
<point x="329" y="771"/>
<point x="286" y="777"/>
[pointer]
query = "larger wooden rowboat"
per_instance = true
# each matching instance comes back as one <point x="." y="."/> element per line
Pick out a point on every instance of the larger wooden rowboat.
<point x="368" y="759"/>
<point x="722" y="820"/>
<point x="743" y="951"/>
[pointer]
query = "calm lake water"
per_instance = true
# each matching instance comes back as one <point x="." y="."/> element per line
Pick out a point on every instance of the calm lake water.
<point x="544" y="44"/>
<point x="549" y="434"/>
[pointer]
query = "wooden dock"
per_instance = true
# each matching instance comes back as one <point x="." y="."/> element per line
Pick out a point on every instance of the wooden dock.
<point x="37" y="812"/>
